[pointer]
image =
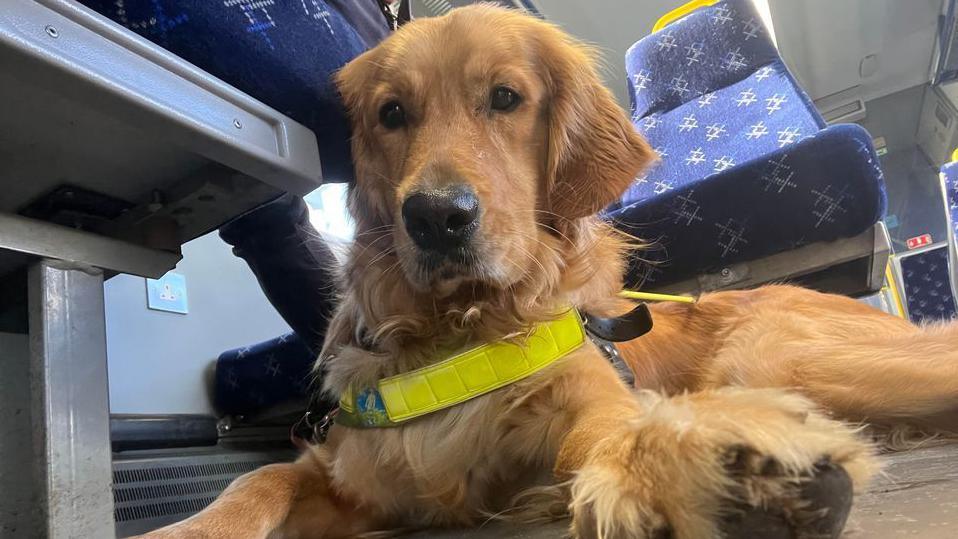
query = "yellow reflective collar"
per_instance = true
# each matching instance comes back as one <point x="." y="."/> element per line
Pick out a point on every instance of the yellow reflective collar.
<point x="461" y="377"/>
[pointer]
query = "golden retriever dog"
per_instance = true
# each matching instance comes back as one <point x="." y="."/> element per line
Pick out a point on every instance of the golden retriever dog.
<point x="484" y="144"/>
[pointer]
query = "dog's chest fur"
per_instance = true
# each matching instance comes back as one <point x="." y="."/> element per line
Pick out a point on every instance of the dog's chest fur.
<point x="456" y="465"/>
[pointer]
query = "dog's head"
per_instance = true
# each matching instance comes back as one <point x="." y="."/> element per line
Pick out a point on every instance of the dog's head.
<point x="477" y="135"/>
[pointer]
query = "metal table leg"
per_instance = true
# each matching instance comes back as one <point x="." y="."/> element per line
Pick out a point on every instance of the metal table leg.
<point x="70" y="400"/>
<point x="18" y="515"/>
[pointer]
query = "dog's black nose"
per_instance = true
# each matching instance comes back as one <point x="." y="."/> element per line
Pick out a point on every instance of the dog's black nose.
<point x="441" y="219"/>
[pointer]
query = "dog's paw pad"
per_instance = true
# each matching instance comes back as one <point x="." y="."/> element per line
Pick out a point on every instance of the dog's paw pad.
<point x="829" y="497"/>
<point x="815" y="506"/>
<point x="741" y="460"/>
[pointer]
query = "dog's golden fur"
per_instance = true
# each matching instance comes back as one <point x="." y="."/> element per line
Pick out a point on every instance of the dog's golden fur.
<point x="623" y="463"/>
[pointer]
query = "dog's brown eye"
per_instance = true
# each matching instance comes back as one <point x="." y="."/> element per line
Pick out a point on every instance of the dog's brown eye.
<point x="392" y="115"/>
<point x="504" y="99"/>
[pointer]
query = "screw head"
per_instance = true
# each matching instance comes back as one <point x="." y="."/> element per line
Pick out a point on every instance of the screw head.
<point x="237" y="124"/>
<point x="726" y="272"/>
<point x="52" y="31"/>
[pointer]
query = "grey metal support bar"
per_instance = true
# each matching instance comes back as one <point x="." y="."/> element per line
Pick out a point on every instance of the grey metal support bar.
<point x="42" y="239"/>
<point x="70" y="400"/>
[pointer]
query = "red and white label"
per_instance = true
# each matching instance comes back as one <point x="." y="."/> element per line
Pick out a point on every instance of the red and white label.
<point x="919" y="241"/>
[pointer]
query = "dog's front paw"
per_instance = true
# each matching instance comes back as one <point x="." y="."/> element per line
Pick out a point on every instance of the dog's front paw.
<point x="730" y="463"/>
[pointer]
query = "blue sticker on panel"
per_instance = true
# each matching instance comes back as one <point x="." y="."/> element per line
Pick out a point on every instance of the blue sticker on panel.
<point x="168" y="293"/>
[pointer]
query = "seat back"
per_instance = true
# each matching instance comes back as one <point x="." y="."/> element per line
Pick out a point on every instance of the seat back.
<point x="709" y="92"/>
<point x="927" y="284"/>
<point x="949" y="195"/>
<point x="748" y="167"/>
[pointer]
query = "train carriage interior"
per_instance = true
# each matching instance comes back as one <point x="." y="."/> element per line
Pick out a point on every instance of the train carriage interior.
<point x="173" y="209"/>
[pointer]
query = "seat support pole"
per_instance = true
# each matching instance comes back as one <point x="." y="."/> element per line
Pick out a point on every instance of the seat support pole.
<point x="69" y="400"/>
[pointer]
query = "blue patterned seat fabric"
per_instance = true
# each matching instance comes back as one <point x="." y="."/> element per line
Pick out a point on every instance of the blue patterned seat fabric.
<point x="254" y="378"/>
<point x="927" y="286"/>
<point x="281" y="52"/>
<point x="925" y="280"/>
<point x="949" y="178"/>
<point x="747" y="166"/>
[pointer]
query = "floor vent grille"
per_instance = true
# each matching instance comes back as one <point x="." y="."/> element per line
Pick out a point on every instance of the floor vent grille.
<point x="155" y="491"/>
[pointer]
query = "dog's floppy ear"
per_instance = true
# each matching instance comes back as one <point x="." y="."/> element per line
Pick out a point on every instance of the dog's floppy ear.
<point x="353" y="81"/>
<point x="594" y="152"/>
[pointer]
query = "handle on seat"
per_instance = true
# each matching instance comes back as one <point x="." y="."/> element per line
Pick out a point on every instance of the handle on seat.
<point x="680" y="12"/>
<point x="892" y="284"/>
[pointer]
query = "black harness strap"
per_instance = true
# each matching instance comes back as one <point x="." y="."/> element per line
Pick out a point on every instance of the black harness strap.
<point x="631" y="325"/>
<point x="605" y="332"/>
<point x="397" y="18"/>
